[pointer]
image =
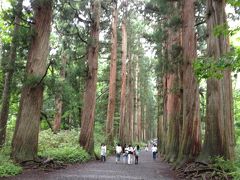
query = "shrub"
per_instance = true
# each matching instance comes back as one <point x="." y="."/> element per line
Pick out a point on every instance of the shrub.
<point x="7" y="167"/>
<point x="67" y="154"/>
<point x="63" y="146"/>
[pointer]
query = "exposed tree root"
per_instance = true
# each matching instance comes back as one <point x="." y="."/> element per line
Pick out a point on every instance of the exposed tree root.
<point x="45" y="164"/>
<point x="203" y="171"/>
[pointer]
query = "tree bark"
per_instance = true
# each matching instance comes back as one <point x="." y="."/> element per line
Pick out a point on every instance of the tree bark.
<point x="190" y="138"/>
<point x="9" y="74"/>
<point x="88" y="111"/>
<point x="136" y="100"/>
<point x="25" y="139"/>
<point x="122" y="128"/>
<point x="174" y="85"/>
<point x="113" y="75"/>
<point x="58" y="99"/>
<point x="219" y="135"/>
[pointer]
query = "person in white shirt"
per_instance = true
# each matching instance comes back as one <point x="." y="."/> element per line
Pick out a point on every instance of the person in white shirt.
<point x="146" y="148"/>
<point x="118" y="152"/>
<point x="125" y="153"/>
<point x="103" y="152"/>
<point x="130" y="154"/>
<point x="154" y="151"/>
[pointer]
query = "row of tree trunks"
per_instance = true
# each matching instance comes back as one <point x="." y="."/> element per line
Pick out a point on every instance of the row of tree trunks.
<point x="88" y="111"/>
<point x="25" y="139"/>
<point x="181" y="117"/>
<point x="180" y="120"/>
<point x="113" y="74"/>
<point x="219" y="136"/>
<point x="9" y="74"/>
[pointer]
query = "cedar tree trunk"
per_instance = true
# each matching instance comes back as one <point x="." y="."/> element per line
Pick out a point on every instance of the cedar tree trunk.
<point x="113" y="75"/>
<point x="88" y="111"/>
<point x="25" y="139"/>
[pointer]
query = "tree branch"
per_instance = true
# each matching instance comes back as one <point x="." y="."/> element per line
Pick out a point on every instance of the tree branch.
<point x="106" y="90"/>
<point x="78" y="34"/>
<point x="43" y="75"/>
<point x="202" y="22"/>
<point x="46" y="118"/>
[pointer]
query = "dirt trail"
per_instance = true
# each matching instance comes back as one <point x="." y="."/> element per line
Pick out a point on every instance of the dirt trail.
<point x="147" y="169"/>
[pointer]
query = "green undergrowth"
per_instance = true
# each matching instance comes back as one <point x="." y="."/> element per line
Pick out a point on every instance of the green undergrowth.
<point x="7" y="166"/>
<point x="232" y="168"/>
<point x="62" y="146"/>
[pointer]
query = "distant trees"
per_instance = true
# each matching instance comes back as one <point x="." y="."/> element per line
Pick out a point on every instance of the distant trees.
<point x="6" y="95"/>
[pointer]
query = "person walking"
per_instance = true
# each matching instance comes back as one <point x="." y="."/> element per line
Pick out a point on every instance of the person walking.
<point x="118" y="152"/>
<point x="130" y="154"/>
<point x="125" y="153"/>
<point x="154" y="151"/>
<point x="137" y="152"/>
<point x="103" y="152"/>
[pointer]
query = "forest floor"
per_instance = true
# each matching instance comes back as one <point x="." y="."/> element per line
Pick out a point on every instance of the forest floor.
<point x="147" y="169"/>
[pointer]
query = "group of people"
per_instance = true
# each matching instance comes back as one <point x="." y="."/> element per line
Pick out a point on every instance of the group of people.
<point x="128" y="152"/>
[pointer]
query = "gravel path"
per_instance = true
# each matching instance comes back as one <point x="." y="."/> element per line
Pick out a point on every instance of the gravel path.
<point x="147" y="169"/>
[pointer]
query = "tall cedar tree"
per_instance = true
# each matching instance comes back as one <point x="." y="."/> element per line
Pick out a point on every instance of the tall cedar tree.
<point x="190" y="145"/>
<point x="219" y="136"/>
<point x="88" y="110"/>
<point x="113" y="75"/>
<point x="122" y="133"/>
<point x="9" y="74"/>
<point x="174" y="95"/>
<point x="25" y="139"/>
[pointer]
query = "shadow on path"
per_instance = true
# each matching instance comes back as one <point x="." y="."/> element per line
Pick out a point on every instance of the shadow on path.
<point x="147" y="169"/>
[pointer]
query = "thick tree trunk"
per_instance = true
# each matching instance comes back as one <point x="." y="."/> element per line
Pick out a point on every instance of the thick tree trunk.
<point x="190" y="139"/>
<point x="160" y="135"/>
<point x="25" y="139"/>
<point x="166" y="87"/>
<point x="219" y="136"/>
<point x="58" y="99"/>
<point x="113" y="75"/>
<point x="174" y="94"/>
<point x="88" y="111"/>
<point x="122" y="134"/>
<point x="9" y="74"/>
<point x="174" y="116"/>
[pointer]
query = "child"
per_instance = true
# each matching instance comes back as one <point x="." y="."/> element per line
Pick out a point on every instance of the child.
<point x="103" y="152"/>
